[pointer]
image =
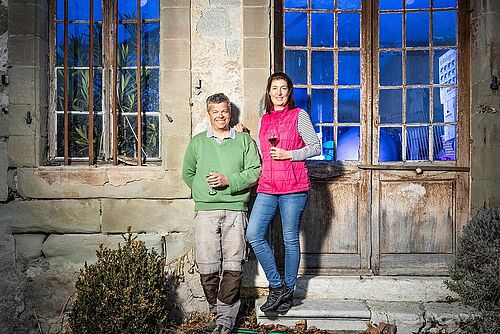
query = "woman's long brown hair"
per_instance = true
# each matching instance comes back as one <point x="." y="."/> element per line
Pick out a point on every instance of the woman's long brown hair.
<point x="279" y="76"/>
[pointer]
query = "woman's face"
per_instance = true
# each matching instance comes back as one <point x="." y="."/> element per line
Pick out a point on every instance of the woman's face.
<point x="279" y="93"/>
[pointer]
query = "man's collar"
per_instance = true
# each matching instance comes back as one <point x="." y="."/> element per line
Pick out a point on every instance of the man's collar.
<point x="231" y="135"/>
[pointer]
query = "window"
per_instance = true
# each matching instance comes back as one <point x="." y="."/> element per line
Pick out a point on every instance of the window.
<point x="105" y="101"/>
<point x="413" y="74"/>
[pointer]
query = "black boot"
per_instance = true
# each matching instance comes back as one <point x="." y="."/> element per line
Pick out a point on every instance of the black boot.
<point x="286" y="302"/>
<point x="273" y="299"/>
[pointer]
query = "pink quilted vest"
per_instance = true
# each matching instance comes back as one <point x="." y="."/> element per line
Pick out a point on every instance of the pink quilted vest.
<point x="281" y="176"/>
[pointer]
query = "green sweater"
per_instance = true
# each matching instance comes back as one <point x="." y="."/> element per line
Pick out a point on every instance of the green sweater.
<point x="235" y="158"/>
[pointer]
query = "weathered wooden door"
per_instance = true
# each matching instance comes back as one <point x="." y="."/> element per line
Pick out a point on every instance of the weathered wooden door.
<point x="391" y="195"/>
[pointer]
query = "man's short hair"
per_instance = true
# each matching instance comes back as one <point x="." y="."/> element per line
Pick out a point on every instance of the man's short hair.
<point x="218" y="98"/>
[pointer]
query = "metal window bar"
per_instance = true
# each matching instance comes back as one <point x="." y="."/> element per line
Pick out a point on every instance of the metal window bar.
<point x="138" y="80"/>
<point x="65" y="85"/>
<point x="115" y="79"/>
<point x="91" y="84"/>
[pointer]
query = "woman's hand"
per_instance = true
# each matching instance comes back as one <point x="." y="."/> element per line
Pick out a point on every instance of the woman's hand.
<point x="240" y="127"/>
<point x="280" y="154"/>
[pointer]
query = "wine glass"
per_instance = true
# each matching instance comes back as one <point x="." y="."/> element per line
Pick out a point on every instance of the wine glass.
<point x="273" y="140"/>
<point x="211" y="191"/>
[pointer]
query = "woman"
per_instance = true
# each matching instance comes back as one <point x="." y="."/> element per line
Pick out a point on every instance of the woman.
<point x="286" y="138"/>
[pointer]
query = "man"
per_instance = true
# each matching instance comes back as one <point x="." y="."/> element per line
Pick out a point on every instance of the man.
<point x="220" y="166"/>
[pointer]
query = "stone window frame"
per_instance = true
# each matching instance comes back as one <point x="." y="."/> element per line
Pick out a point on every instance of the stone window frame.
<point x="28" y="45"/>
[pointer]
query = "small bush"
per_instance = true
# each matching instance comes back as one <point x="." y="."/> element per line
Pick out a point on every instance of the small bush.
<point x="126" y="291"/>
<point x="475" y="272"/>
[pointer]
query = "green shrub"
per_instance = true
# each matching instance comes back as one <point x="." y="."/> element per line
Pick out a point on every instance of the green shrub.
<point x="126" y="291"/>
<point x="475" y="272"/>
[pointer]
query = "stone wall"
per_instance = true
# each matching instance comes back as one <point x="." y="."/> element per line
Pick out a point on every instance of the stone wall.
<point x="485" y="111"/>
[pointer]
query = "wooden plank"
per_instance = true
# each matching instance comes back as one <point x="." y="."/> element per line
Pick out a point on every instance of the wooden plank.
<point x="415" y="264"/>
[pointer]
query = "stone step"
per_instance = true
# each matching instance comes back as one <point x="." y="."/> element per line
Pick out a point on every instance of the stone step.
<point x="383" y="288"/>
<point x="354" y="315"/>
<point x="324" y="314"/>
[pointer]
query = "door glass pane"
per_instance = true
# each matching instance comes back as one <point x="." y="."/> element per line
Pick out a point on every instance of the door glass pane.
<point x="127" y="45"/>
<point x="349" y="68"/>
<point x="295" y="3"/>
<point x="390" y="4"/>
<point x="390" y="67"/>
<point x="296" y="28"/>
<point x="325" y="134"/>
<point x="417" y="29"/>
<point x="322" y="29"/>
<point x="390" y="30"/>
<point x="349" y="4"/>
<point x="296" y="66"/>
<point x="445" y="66"/>
<point x="322" y="106"/>
<point x="445" y="105"/>
<point x="417" y="67"/>
<point x="348" y="143"/>
<point x="78" y="87"/>
<point x="417" y="143"/>
<point x="390" y="106"/>
<point x="444" y="3"/>
<point x="348" y="30"/>
<point x="301" y="98"/>
<point x="417" y="4"/>
<point x="322" y="62"/>
<point x="445" y="142"/>
<point x="348" y="106"/>
<point x="322" y="4"/>
<point x="390" y="144"/>
<point x="150" y="37"/>
<point x="417" y="105"/>
<point x="150" y="90"/>
<point x="445" y="28"/>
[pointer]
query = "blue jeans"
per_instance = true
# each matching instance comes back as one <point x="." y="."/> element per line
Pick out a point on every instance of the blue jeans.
<point x="291" y="208"/>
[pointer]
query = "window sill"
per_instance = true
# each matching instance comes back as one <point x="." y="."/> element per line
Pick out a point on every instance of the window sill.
<point x="101" y="182"/>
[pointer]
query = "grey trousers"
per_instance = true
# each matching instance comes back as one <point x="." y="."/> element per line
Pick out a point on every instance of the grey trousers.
<point x="220" y="248"/>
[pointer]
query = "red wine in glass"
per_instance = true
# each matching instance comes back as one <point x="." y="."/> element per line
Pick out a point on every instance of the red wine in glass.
<point x="273" y="140"/>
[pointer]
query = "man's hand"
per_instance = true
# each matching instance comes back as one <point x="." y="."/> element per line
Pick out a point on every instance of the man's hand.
<point x="280" y="154"/>
<point x="217" y="180"/>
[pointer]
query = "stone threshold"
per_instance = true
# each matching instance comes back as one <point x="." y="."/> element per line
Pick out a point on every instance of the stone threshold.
<point x="354" y="315"/>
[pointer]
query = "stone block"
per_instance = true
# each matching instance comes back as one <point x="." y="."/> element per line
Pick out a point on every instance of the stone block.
<point x="112" y="182"/>
<point x="485" y="130"/>
<point x="22" y="85"/>
<point x="4" y="179"/>
<point x="175" y="4"/>
<point x="49" y="216"/>
<point x="175" y="86"/>
<point x="177" y="244"/>
<point x="160" y="216"/>
<point x="407" y="316"/>
<point x="21" y="50"/>
<point x="173" y="159"/>
<point x="214" y="22"/>
<point x="7" y="249"/>
<point x="176" y="53"/>
<point x="4" y="122"/>
<point x="484" y="164"/>
<point x="250" y="3"/>
<point x="173" y="23"/>
<point x="256" y="22"/>
<point x="21" y="151"/>
<point x="445" y="317"/>
<point x="17" y="120"/>
<point x="256" y="52"/>
<point x="81" y="248"/>
<point x="28" y="19"/>
<point x="29" y="246"/>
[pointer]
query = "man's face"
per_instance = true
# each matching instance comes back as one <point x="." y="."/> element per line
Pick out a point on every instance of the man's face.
<point x="219" y="116"/>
